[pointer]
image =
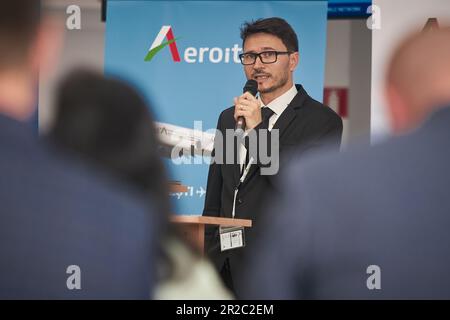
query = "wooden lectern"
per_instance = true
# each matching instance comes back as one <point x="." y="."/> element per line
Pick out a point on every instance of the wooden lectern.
<point x="193" y="227"/>
<point x="176" y="186"/>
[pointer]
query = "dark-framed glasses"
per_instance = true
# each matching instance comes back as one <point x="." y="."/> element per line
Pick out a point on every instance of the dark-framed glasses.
<point x="265" y="57"/>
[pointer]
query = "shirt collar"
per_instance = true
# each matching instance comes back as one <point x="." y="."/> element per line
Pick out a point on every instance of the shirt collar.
<point x="279" y="104"/>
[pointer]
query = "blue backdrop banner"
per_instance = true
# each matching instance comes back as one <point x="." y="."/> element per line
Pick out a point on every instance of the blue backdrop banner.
<point x="183" y="56"/>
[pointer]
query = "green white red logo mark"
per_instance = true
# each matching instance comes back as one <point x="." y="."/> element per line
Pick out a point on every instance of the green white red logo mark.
<point x="158" y="44"/>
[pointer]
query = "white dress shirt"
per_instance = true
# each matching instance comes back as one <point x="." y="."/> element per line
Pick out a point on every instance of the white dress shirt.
<point x="278" y="105"/>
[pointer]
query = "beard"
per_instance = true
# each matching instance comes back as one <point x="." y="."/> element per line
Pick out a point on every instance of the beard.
<point x="284" y="78"/>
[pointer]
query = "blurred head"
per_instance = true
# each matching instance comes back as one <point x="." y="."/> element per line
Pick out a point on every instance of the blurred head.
<point x="270" y="36"/>
<point x="418" y="78"/>
<point x="29" y="43"/>
<point x="108" y="123"/>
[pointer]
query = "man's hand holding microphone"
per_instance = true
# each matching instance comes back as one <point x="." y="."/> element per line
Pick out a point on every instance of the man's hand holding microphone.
<point x="247" y="109"/>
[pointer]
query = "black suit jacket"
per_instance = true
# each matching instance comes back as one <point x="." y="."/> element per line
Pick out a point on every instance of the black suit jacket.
<point x="304" y="125"/>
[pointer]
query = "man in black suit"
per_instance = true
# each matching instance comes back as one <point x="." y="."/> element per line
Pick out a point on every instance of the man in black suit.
<point x="284" y="113"/>
<point x="382" y="230"/>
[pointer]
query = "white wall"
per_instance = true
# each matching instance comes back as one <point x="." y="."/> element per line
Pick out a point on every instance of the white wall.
<point x="337" y="66"/>
<point x="82" y="48"/>
<point x="348" y="63"/>
<point x="360" y="70"/>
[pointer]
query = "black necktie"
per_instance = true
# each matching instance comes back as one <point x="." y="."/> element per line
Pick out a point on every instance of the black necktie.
<point x="266" y="113"/>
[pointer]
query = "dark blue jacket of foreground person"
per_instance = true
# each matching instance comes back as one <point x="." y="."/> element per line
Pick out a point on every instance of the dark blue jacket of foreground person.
<point x="67" y="231"/>
<point x="370" y="223"/>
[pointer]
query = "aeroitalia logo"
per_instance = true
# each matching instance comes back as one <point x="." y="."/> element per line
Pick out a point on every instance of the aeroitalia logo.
<point x="158" y="45"/>
<point x="191" y="54"/>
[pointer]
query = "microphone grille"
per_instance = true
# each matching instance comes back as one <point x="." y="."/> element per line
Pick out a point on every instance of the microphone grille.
<point x="251" y="86"/>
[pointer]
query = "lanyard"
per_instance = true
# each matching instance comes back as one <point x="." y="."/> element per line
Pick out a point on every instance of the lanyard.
<point x="241" y="180"/>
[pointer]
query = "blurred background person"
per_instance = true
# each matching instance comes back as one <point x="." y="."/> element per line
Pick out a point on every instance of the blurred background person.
<point x="382" y="229"/>
<point x="66" y="231"/>
<point x="107" y="123"/>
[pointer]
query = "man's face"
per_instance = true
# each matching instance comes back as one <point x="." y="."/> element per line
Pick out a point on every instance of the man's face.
<point x="274" y="76"/>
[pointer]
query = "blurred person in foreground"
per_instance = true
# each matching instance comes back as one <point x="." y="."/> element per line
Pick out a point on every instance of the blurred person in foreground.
<point x="66" y="231"/>
<point x="107" y="123"/>
<point x="383" y="229"/>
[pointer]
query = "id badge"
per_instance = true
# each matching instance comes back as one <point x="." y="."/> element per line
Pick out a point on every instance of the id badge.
<point x="231" y="238"/>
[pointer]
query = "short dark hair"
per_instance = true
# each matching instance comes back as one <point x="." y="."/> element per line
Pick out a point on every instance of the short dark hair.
<point x="19" y="21"/>
<point x="274" y="26"/>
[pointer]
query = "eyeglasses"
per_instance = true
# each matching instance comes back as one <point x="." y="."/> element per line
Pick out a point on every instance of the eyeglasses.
<point x="266" y="57"/>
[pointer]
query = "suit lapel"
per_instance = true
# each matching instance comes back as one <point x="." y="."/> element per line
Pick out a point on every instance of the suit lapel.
<point x="232" y="169"/>
<point x="289" y="113"/>
<point x="285" y="120"/>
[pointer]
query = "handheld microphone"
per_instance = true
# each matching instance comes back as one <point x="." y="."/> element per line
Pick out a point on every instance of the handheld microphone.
<point x="252" y="87"/>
